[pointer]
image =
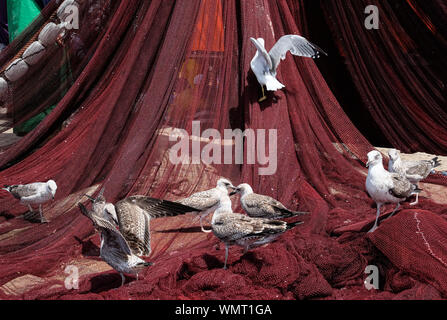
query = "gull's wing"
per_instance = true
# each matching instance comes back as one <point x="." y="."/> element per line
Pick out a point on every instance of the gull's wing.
<point x="157" y="208"/>
<point x="113" y="237"/>
<point x="263" y="52"/>
<point x="202" y="200"/>
<point x="402" y="188"/>
<point x="264" y="205"/>
<point x="419" y="169"/>
<point x="24" y="191"/>
<point x="134" y="214"/>
<point x="234" y="226"/>
<point x="297" y="45"/>
<point x="134" y="226"/>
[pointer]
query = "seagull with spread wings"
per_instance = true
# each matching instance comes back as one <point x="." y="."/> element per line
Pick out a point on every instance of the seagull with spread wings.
<point x="264" y="64"/>
<point x="114" y="249"/>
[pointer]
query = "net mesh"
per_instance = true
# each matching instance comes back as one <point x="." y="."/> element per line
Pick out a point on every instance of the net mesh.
<point x="137" y="73"/>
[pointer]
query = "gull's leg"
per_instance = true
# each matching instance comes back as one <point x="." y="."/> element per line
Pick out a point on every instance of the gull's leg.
<point x="30" y="208"/>
<point x="377" y="218"/>
<point x="264" y="97"/>
<point x="417" y="199"/>
<point x="395" y="209"/>
<point x="226" y="256"/>
<point x="42" y="219"/>
<point x="122" y="279"/>
<point x="201" y="225"/>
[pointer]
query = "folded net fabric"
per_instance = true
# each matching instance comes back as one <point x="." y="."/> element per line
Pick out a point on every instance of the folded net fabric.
<point x="143" y="71"/>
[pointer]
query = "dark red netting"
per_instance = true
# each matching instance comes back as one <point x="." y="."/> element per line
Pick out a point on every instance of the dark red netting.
<point x="138" y="72"/>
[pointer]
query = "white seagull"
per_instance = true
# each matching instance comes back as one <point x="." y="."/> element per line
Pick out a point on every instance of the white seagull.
<point x="247" y="232"/>
<point x="261" y="206"/>
<point x="33" y="193"/>
<point x="386" y="187"/>
<point x="414" y="171"/>
<point x="207" y="201"/>
<point x="264" y="64"/>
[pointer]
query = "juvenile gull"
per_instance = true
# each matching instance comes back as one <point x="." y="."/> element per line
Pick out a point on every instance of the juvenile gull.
<point x="247" y="232"/>
<point x="103" y="209"/>
<point x="261" y="206"/>
<point x="34" y="193"/>
<point x="208" y="200"/>
<point x="115" y="250"/>
<point x="386" y="187"/>
<point x="264" y="64"/>
<point x="414" y="171"/>
<point x="134" y="214"/>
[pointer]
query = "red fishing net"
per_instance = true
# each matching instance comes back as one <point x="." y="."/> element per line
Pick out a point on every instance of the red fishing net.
<point x="137" y="73"/>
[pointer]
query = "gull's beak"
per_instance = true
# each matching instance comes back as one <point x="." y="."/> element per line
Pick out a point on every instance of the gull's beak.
<point x="90" y="198"/>
<point x="235" y="190"/>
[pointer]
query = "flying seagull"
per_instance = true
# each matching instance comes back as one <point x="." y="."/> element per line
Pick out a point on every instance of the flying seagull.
<point x="386" y="187"/>
<point x="247" y="232"/>
<point x="261" y="206"/>
<point x="208" y="200"/>
<point x="115" y="250"/>
<point x="414" y="171"/>
<point x="33" y="193"/>
<point x="264" y="64"/>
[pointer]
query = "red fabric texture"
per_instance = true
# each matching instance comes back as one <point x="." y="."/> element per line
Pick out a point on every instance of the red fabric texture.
<point x="146" y="71"/>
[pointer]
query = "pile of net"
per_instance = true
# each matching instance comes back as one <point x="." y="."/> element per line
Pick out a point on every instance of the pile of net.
<point x="136" y="75"/>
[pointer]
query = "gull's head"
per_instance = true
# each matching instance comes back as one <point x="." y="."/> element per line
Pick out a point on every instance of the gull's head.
<point x="99" y="198"/>
<point x="260" y="40"/>
<point x="374" y="157"/>
<point x="225" y="183"/>
<point x="243" y="189"/>
<point x="394" y="154"/>
<point x="52" y="187"/>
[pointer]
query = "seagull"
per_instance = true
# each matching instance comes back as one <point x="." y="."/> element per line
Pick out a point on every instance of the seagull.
<point x="33" y="193"/>
<point x="414" y="171"/>
<point x="386" y="187"/>
<point x="264" y="64"/>
<point x="261" y="206"/>
<point x="103" y="209"/>
<point x="207" y="201"/>
<point x="134" y="214"/>
<point x="247" y="232"/>
<point x="115" y="250"/>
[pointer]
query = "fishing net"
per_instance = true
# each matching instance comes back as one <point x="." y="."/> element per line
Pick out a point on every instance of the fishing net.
<point x="137" y="76"/>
